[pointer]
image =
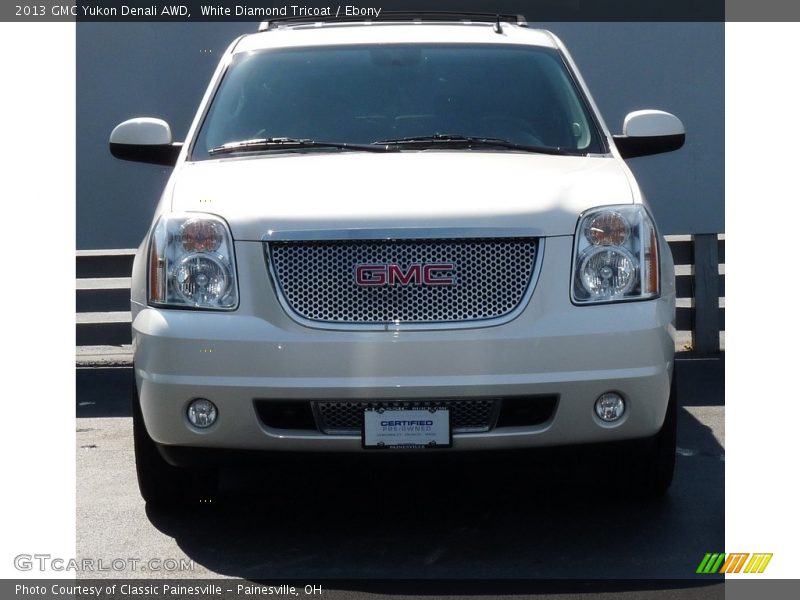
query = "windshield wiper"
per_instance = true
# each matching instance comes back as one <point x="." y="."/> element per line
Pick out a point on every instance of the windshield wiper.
<point x="449" y="139"/>
<point x="291" y="144"/>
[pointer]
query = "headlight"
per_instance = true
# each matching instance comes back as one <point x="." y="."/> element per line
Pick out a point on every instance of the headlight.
<point x="616" y="256"/>
<point x="191" y="263"/>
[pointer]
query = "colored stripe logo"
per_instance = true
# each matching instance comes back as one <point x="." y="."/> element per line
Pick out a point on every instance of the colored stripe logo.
<point x="719" y="562"/>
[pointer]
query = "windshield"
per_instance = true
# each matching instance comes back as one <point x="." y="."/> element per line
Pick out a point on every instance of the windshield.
<point x="363" y="94"/>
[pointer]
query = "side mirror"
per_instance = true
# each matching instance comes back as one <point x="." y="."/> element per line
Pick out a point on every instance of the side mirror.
<point x="146" y="140"/>
<point x="646" y="132"/>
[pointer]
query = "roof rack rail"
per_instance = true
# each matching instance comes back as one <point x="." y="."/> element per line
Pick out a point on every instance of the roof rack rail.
<point x="386" y="15"/>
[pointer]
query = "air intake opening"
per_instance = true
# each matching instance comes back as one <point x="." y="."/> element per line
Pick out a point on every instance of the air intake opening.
<point x="524" y="411"/>
<point x="283" y="414"/>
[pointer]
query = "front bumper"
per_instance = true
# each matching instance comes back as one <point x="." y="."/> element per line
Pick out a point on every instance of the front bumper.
<point x="257" y="353"/>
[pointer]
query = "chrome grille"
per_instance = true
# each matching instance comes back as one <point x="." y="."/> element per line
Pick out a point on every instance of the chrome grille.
<point x="317" y="279"/>
<point x="466" y="416"/>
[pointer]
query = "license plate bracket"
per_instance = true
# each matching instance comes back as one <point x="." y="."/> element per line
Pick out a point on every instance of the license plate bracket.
<point x="401" y="427"/>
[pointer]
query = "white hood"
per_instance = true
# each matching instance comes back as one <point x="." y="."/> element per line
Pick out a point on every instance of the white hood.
<point x="352" y="190"/>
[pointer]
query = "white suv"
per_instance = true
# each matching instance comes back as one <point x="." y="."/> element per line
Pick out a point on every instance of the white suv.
<point x="403" y="234"/>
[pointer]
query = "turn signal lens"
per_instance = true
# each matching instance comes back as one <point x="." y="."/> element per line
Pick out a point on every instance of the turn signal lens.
<point x="650" y="277"/>
<point x="157" y="277"/>
<point x="607" y="229"/>
<point x="200" y="235"/>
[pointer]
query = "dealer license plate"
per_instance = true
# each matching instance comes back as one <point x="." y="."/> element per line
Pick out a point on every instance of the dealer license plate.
<point x="406" y="428"/>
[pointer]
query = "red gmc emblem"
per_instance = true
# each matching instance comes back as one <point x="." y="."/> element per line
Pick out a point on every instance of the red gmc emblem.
<point x="417" y="274"/>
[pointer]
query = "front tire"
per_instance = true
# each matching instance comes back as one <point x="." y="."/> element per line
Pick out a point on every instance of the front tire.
<point x="160" y="483"/>
<point x="654" y="462"/>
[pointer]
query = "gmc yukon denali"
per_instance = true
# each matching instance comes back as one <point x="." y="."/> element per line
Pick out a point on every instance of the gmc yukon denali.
<point x="399" y="235"/>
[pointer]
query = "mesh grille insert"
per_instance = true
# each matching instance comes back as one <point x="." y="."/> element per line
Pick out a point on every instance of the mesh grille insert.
<point x="344" y="417"/>
<point x="318" y="279"/>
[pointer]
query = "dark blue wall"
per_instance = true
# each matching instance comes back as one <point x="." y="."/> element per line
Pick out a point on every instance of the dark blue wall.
<point x="162" y="69"/>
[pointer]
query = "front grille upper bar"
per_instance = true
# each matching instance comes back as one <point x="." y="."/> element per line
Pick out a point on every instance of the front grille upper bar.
<point x="399" y="233"/>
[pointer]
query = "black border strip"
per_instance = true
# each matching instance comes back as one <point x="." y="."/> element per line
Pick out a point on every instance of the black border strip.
<point x="533" y="10"/>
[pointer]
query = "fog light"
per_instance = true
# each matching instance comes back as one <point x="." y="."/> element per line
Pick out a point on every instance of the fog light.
<point x="202" y="413"/>
<point x="609" y="407"/>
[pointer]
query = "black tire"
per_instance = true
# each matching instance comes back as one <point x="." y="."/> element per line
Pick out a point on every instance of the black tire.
<point x="654" y="460"/>
<point x="160" y="483"/>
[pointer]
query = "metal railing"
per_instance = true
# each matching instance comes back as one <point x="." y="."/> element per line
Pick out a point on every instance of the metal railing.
<point x="700" y="287"/>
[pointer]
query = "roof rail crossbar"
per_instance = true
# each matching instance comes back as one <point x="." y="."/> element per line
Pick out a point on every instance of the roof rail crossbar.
<point x="417" y="16"/>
